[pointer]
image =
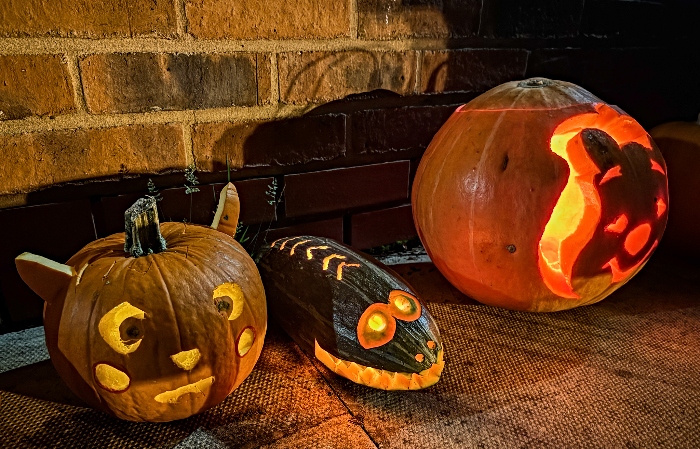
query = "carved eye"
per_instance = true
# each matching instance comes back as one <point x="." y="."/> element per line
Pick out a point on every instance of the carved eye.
<point x="118" y="337"/>
<point x="111" y="378"/>
<point x="229" y="300"/>
<point x="376" y="326"/>
<point x="404" y="306"/>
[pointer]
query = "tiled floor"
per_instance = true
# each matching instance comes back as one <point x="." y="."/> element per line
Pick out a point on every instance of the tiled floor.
<point x="620" y="373"/>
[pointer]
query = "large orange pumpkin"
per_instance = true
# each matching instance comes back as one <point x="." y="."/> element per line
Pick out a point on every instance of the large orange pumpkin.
<point x="157" y="337"/>
<point x="539" y="196"/>
<point x="679" y="142"/>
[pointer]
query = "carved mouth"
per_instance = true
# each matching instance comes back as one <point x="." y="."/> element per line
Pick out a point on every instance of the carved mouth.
<point x="379" y="378"/>
<point x="173" y="396"/>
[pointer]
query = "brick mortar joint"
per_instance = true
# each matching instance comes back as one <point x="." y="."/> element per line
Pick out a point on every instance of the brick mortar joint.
<point x="190" y="45"/>
<point x="74" y="72"/>
<point x="85" y="120"/>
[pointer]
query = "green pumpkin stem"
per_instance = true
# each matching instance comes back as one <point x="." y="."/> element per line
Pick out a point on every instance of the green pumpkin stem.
<point x="142" y="229"/>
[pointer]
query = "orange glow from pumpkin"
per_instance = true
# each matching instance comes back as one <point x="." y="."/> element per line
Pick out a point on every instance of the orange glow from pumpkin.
<point x="618" y="274"/>
<point x="327" y="260"/>
<point x="376" y="326"/>
<point x="619" y="225"/>
<point x="660" y="207"/>
<point x="577" y="212"/>
<point x="339" y="271"/>
<point x="610" y="174"/>
<point x="308" y="251"/>
<point x="656" y="167"/>
<point x="294" y="247"/>
<point x="404" y="306"/>
<point x="637" y="238"/>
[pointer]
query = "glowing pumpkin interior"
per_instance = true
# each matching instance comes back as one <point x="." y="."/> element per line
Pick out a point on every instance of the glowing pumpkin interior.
<point x="577" y="212"/>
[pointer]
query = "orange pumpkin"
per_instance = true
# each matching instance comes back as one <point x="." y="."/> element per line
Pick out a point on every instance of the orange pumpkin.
<point x="679" y="142"/>
<point x="158" y="337"/>
<point x="539" y="196"/>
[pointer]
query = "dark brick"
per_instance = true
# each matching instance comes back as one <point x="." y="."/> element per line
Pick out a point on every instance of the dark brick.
<point x="471" y="70"/>
<point x="257" y="205"/>
<point x="653" y="85"/>
<point x="322" y="76"/>
<point x="285" y="142"/>
<point x="197" y="207"/>
<point x="381" y="227"/>
<point x="640" y="20"/>
<point x="105" y="18"/>
<point x="141" y="82"/>
<point x="531" y="18"/>
<point x="34" y="85"/>
<point x="345" y="188"/>
<point x="403" y="130"/>
<point x="332" y="229"/>
<point x="388" y="19"/>
<point x="56" y="231"/>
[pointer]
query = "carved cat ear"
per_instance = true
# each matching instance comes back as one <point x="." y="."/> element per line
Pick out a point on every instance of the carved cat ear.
<point x="48" y="279"/>
<point x="228" y="210"/>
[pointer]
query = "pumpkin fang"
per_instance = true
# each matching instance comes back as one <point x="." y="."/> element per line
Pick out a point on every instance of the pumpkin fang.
<point x="379" y="378"/>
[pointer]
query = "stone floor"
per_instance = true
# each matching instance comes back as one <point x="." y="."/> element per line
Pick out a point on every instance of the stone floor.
<point x="621" y="373"/>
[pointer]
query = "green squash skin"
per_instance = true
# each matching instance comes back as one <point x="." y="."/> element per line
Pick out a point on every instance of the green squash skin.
<point x="311" y="304"/>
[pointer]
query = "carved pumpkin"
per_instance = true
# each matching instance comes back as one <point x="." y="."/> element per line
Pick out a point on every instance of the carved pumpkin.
<point x="538" y="196"/>
<point x="679" y="142"/>
<point x="160" y="334"/>
<point x="356" y="317"/>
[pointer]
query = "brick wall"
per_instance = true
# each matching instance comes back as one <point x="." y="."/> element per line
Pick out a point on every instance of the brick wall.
<point x="331" y="101"/>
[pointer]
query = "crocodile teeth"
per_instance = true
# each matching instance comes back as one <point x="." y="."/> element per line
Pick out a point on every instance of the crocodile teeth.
<point x="379" y="378"/>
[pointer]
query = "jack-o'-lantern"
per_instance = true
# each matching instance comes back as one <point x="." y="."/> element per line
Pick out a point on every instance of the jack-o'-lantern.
<point x="155" y="324"/>
<point x="539" y="196"/>
<point x="361" y="320"/>
<point x="679" y="142"/>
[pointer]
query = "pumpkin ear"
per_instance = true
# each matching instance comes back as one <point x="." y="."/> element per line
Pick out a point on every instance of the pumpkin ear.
<point x="47" y="278"/>
<point x="226" y="217"/>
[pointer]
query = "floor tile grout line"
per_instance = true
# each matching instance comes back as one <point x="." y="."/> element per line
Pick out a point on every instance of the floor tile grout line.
<point x="337" y="395"/>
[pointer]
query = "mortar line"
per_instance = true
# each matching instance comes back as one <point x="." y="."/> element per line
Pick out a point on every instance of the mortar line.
<point x="354" y="19"/>
<point x="82" y="46"/>
<point x="181" y="19"/>
<point x="361" y="424"/>
<point x="419" y="67"/>
<point x="274" y="78"/>
<point x="188" y="142"/>
<point x="73" y="66"/>
<point x="84" y="120"/>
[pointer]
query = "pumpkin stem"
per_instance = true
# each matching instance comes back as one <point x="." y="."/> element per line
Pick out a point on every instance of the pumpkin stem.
<point x="142" y="229"/>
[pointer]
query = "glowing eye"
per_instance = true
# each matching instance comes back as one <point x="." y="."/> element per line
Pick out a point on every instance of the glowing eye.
<point x="404" y="306"/>
<point x="376" y="326"/>
<point x="377" y="322"/>
<point x="229" y="300"/>
<point x="111" y="378"/>
<point x="245" y="341"/>
<point x="110" y="324"/>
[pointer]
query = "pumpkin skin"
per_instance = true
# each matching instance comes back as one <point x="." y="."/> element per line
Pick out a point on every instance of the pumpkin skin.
<point x="180" y="294"/>
<point x="538" y="196"/>
<point x="354" y="315"/>
<point x="679" y="142"/>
